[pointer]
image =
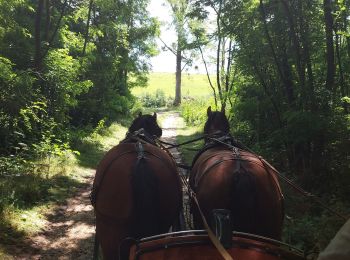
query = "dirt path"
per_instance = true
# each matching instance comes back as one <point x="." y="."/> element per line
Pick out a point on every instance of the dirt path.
<point x="170" y="125"/>
<point x="69" y="228"/>
<point x="68" y="233"/>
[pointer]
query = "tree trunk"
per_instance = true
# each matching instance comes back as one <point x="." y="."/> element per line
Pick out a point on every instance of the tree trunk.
<point x="218" y="53"/>
<point x="53" y="35"/>
<point x="281" y="68"/>
<point x="87" y="27"/>
<point x="304" y="32"/>
<point x="296" y="43"/>
<point x="345" y="19"/>
<point x="341" y="71"/>
<point x="177" y="100"/>
<point x="328" y="18"/>
<point x="48" y="20"/>
<point x="37" y="35"/>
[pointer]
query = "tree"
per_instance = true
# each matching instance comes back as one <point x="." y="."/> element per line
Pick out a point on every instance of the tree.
<point x="286" y="92"/>
<point x="180" y="10"/>
<point x="121" y="40"/>
<point x="225" y="50"/>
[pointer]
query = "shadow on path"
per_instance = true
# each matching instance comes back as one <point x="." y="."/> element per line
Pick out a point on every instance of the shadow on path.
<point x="68" y="232"/>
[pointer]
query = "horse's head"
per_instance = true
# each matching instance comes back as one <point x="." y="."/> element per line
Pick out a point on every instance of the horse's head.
<point x="216" y="122"/>
<point x="148" y="123"/>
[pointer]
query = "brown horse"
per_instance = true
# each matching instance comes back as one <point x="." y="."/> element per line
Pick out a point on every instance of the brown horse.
<point x="136" y="191"/>
<point x="225" y="176"/>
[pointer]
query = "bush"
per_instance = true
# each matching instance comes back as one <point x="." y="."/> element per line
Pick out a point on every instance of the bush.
<point x="195" y="111"/>
<point x="154" y="100"/>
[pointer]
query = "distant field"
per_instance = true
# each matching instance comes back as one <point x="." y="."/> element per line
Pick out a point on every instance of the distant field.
<point x="193" y="85"/>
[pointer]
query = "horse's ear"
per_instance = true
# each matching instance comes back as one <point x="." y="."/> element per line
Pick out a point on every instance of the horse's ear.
<point x="222" y="109"/>
<point x="155" y="115"/>
<point x="140" y="114"/>
<point x="209" y="111"/>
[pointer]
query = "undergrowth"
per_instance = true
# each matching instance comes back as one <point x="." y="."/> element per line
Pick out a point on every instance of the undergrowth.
<point x="307" y="225"/>
<point x="31" y="186"/>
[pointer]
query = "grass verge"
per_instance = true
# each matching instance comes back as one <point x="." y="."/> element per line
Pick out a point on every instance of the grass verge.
<point x="28" y="198"/>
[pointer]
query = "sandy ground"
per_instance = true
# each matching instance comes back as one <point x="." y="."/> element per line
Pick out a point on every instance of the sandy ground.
<point x="68" y="233"/>
<point x="69" y="230"/>
<point x="170" y="126"/>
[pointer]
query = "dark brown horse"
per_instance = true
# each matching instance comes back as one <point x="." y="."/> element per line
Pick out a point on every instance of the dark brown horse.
<point x="136" y="191"/>
<point x="225" y="176"/>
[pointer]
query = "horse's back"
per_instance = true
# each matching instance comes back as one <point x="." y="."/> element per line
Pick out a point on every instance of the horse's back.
<point x="117" y="213"/>
<point x="113" y="178"/>
<point x="239" y="181"/>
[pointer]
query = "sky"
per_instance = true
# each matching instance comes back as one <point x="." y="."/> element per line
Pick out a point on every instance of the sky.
<point x="166" y="60"/>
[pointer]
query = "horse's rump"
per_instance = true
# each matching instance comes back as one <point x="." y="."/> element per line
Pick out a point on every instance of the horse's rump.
<point x="112" y="186"/>
<point x="239" y="181"/>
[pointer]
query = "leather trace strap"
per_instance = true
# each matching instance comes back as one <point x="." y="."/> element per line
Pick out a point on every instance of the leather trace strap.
<point x="216" y="242"/>
<point x="223" y="252"/>
<point x="299" y="189"/>
<point x="289" y="182"/>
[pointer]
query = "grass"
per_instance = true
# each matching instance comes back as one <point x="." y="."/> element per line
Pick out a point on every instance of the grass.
<point x="93" y="147"/>
<point x="193" y="85"/>
<point x="188" y="151"/>
<point x="33" y="196"/>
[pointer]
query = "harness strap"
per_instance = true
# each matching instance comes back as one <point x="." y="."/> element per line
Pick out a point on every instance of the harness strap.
<point x="141" y="137"/>
<point x="216" y="242"/>
<point x="289" y="182"/>
<point x="171" y="145"/>
<point x="140" y="151"/>
<point x="303" y="192"/>
<point x="223" y="252"/>
<point x="95" y="188"/>
<point x="239" y="161"/>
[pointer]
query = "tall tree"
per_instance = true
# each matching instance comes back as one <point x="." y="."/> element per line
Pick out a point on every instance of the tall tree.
<point x="225" y="50"/>
<point x="180" y="10"/>
<point x="328" y="20"/>
<point x="38" y="18"/>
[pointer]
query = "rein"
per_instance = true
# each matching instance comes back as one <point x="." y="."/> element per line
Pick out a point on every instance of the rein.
<point x="140" y="137"/>
<point x="171" y="145"/>
<point x="216" y="242"/>
<point x="264" y="162"/>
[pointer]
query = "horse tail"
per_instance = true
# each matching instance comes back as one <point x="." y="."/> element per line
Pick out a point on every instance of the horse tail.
<point x="145" y="196"/>
<point x="243" y="200"/>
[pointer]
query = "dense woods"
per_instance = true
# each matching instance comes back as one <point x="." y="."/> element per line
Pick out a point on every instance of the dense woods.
<point x="69" y="63"/>
<point x="283" y="76"/>
<point x="291" y="84"/>
<point x="283" y="71"/>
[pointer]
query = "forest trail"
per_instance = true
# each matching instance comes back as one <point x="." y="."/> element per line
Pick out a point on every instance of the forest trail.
<point x="68" y="233"/>
<point x="69" y="228"/>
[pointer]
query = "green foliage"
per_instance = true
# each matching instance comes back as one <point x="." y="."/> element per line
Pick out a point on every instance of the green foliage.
<point x="157" y="99"/>
<point x="302" y="126"/>
<point x="288" y="103"/>
<point x="62" y="76"/>
<point x="195" y="111"/>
